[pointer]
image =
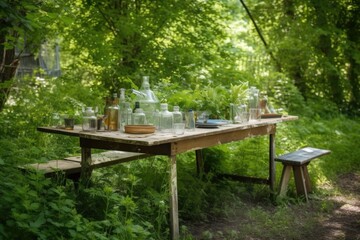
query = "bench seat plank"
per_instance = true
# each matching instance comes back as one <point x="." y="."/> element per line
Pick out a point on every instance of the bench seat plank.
<point x="301" y="156"/>
<point x="110" y="158"/>
<point x="71" y="166"/>
<point x="50" y="167"/>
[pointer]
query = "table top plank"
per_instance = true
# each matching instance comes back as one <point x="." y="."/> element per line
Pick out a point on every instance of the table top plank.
<point x="158" y="138"/>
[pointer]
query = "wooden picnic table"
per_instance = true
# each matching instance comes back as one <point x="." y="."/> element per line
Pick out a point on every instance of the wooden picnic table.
<point x="169" y="145"/>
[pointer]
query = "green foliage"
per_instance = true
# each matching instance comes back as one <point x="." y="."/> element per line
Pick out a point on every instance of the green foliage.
<point x="194" y="53"/>
<point x="319" y="61"/>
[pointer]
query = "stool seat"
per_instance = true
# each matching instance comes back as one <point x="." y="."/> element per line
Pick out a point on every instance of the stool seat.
<point x="298" y="161"/>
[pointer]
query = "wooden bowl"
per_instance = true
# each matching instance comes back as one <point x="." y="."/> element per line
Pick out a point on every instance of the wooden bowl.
<point x="139" y="129"/>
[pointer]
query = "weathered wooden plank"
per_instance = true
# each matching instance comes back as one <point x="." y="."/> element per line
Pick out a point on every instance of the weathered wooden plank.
<point x="161" y="138"/>
<point x="201" y="142"/>
<point x="109" y="158"/>
<point x="72" y="165"/>
<point x="52" y="166"/>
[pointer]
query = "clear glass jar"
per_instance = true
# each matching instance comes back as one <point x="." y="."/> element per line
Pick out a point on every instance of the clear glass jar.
<point x="166" y="119"/>
<point x="178" y="117"/>
<point x="89" y="121"/>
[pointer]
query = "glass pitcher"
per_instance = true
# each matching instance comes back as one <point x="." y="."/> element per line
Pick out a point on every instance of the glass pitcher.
<point x="148" y="100"/>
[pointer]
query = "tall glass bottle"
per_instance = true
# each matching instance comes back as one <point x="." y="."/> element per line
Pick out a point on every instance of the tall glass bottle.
<point x="166" y="119"/>
<point x="114" y="114"/>
<point x="128" y="113"/>
<point x="157" y="119"/>
<point x="190" y="120"/>
<point x="123" y="110"/>
<point x="254" y="109"/>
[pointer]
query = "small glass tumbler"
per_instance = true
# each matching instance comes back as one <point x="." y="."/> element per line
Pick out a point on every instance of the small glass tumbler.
<point x="178" y="129"/>
<point x="69" y="123"/>
<point x="255" y="114"/>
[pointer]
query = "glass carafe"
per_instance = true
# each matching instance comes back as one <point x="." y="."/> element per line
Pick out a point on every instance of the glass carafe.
<point x="148" y="100"/>
<point x="89" y="121"/>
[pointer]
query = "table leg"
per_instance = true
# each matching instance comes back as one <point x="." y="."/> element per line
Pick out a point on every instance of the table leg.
<point x="272" y="161"/>
<point x="85" y="165"/>
<point x="199" y="162"/>
<point x="174" y="215"/>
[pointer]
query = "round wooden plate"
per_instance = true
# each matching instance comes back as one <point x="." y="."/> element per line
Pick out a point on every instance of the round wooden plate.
<point x="139" y="129"/>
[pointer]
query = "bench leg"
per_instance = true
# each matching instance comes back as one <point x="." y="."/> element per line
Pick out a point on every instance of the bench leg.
<point x="307" y="179"/>
<point x="300" y="181"/>
<point x="285" y="177"/>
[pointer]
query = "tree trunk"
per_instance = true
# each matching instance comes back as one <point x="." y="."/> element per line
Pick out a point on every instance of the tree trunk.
<point x="331" y="76"/>
<point x="8" y="66"/>
<point x="296" y="71"/>
<point x="353" y="35"/>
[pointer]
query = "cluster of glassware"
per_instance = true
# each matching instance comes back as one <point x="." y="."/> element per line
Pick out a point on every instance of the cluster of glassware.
<point x="250" y="111"/>
<point x="147" y="111"/>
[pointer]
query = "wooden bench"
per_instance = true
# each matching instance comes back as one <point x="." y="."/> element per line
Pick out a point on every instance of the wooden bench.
<point x="70" y="167"/>
<point x="298" y="161"/>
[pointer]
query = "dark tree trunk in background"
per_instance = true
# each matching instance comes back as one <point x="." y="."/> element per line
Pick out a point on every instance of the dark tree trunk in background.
<point x="331" y="74"/>
<point x="353" y="35"/>
<point x="296" y="71"/>
<point x="8" y="66"/>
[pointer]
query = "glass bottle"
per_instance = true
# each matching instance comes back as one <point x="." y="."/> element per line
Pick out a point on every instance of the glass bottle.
<point x="128" y="113"/>
<point x="125" y="116"/>
<point x="114" y="114"/>
<point x="254" y="109"/>
<point x="106" y="118"/>
<point x="157" y="119"/>
<point x="178" y="117"/>
<point x="138" y="115"/>
<point x="89" y="120"/>
<point x="123" y="110"/>
<point x="190" y="120"/>
<point x="166" y="119"/>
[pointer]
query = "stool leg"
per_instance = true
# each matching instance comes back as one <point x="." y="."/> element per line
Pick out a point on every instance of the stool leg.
<point x="307" y="179"/>
<point x="300" y="181"/>
<point x="285" y="177"/>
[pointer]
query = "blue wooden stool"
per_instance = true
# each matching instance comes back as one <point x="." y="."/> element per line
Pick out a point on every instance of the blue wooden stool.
<point x="298" y="161"/>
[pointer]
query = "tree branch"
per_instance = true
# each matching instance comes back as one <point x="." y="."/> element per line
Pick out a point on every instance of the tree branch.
<point x="277" y="63"/>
